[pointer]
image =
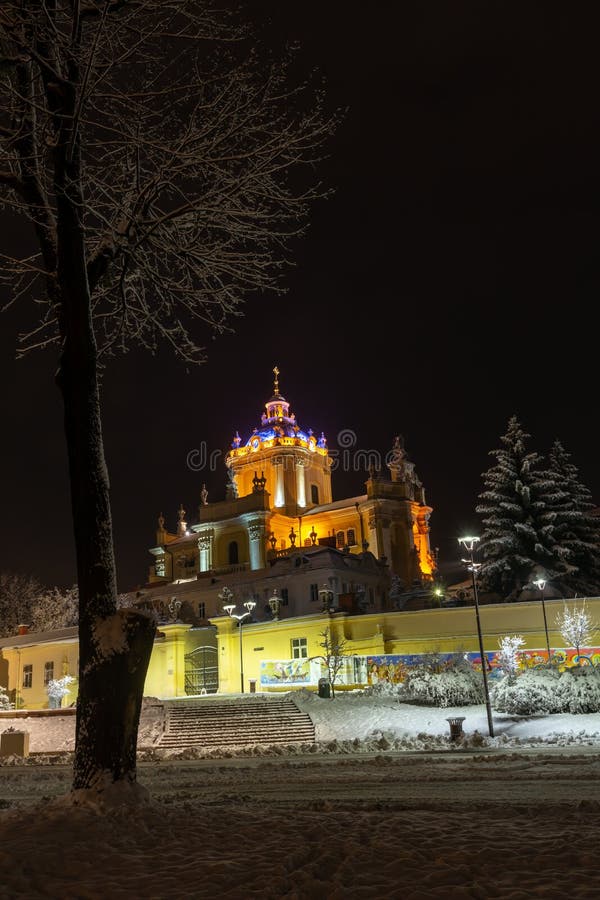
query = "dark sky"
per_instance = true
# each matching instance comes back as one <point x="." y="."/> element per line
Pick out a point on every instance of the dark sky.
<point x="448" y="284"/>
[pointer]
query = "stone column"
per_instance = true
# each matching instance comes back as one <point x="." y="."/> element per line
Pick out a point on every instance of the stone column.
<point x="300" y="483"/>
<point x="279" y="499"/>
<point x="205" y="547"/>
<point x="257" y="545"/>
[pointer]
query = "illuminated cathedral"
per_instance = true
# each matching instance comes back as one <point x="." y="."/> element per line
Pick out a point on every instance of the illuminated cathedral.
<point x="279" y="527"/>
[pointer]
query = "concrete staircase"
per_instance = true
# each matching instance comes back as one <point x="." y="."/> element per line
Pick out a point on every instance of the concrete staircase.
<point x="235" y="722"/>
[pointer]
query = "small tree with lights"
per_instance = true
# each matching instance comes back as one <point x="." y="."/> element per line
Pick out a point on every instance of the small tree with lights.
<point x="508" y="658"/>
<point x="576" y="627"/>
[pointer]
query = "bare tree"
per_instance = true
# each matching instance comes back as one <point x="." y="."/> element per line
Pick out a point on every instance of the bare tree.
<point x="333" y="655"/>
<point x="18" y="594"/>
<point x="161" y="162"/>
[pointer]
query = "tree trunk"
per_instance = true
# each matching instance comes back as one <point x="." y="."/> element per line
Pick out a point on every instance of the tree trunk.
<point x="114" y="648"/>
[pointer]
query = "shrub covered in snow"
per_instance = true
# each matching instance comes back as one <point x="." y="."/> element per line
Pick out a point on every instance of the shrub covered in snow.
<point x="578" y="690"/>
<point x="460" y="686"/>
<point x="57" y="688"/>
<point x="4" y="701"/>
<point x="530" y="692"/>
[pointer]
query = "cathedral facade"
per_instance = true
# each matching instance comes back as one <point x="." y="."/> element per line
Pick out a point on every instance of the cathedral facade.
<point x="280" y="532"/>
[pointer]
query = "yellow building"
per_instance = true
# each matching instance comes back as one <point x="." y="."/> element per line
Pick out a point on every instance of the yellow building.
<point x="282" y="653"/>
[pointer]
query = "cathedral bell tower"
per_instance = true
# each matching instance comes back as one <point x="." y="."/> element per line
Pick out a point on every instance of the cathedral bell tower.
<point x="295" y="463"/>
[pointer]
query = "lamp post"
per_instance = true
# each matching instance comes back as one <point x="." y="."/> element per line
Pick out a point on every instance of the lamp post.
<point x="274" y="603"/>
<point x="540" y="584"/>
<point x="239" y="617"/>
<point x="326" y="597"/>
<point x="469" y="543"/>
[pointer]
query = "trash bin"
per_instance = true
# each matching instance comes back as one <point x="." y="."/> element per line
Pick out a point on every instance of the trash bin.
<point x="253" y="685"/>
<point x="14" y="743"/>
<point x="324" y="688"/>
<point x="456" y="727"/>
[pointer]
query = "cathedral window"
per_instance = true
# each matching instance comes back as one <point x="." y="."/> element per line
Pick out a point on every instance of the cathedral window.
<point x="314" y="493"/>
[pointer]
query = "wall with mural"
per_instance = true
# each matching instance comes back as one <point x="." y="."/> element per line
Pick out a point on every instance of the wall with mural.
<point x="392" y="668"/>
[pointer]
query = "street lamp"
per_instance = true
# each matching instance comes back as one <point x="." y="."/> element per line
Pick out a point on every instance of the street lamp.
<point x="239" y="617"/>
<point x="326" y="598"/>
<point x="540" y="584"/>
<point x="274" y="603"/>
<point x="469" y="543"/>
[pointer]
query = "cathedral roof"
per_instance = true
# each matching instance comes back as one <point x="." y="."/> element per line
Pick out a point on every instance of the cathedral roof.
<point x="278" y="427"/>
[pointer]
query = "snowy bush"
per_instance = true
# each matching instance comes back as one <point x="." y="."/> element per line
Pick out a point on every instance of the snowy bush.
<point x="58" y="688"/>
<point x="460" y="686"/>
<point x="4" y="701"/>
<point x="530" y="692"/>
<point x="579" y="690"/>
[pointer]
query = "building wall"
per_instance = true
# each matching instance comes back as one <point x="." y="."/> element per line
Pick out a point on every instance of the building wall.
<point x="405" y="633"/>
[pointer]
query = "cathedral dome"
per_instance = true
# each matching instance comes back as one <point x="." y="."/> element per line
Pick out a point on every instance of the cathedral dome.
<point x="278" y="427"/>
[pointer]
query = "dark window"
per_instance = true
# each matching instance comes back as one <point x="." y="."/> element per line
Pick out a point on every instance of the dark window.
<point x="27" y="676"/>
<point x="283" y="596"/>
<point x="314" y="493"/>
<point x="48" y="672"/>
<point x="314" y="592"/>
<point x="351" y="537"/>
<point x="299" y="648"/>
<point x="233" y="553"/>
<point x="202" y="609"/>
<point x="340" y="539"/>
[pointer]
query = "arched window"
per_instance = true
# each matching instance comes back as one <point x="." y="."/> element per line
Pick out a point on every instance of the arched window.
<point x="340" y="539"/>
<point x="314" y="493"/>
<point x="351" y="537"/>
<point x="233" y="553"/>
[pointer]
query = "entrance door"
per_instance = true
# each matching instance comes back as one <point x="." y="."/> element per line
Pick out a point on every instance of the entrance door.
<point x="201" y="671"/>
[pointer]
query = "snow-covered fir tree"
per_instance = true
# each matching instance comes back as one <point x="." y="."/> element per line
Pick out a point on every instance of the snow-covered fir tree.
<point x="576" y="529"/>
<point x="518" y="530"/>
<point x="576" y="627"/>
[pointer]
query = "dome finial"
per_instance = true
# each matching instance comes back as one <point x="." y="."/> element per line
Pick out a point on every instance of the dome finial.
<point x="276" y="382"/>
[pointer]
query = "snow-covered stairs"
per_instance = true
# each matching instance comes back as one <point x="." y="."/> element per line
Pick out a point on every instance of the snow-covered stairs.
<point x="211" y="722"/>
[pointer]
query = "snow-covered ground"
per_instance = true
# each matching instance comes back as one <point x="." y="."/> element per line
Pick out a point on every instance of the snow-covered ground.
<point x="359" y="814"/>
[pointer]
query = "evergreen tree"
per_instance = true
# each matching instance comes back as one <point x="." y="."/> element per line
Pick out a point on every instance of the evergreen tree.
<point x="576" y="530"/>
<point x="518" y="529"/>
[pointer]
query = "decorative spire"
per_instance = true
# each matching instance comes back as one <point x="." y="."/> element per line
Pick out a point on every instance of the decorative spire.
<point x="181" y="524"/>
<point x="276" y="382"/>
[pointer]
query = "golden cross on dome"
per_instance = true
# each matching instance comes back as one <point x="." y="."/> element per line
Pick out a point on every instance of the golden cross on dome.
<point x="276" y="374"/>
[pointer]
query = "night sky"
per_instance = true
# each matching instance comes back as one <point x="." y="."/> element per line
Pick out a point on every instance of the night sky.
<point x="448" y="284"/>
